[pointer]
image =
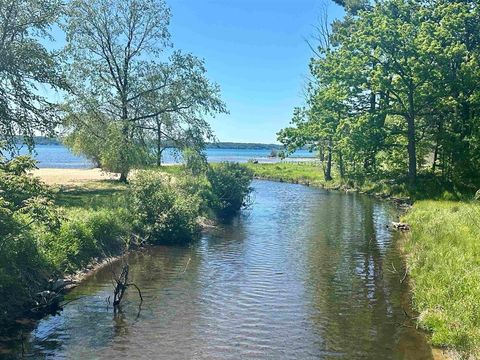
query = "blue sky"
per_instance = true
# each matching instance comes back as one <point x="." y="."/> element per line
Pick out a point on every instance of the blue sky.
<point x="255" y="50"/>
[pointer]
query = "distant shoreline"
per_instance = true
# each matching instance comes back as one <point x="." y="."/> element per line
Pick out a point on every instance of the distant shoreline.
<point x="41" y="140"/>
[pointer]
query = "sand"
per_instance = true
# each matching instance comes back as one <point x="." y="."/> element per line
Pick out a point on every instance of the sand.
<point x="72" y="176"/>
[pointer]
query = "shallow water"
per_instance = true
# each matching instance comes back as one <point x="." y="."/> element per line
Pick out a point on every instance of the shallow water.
<point x="303" y="274"/>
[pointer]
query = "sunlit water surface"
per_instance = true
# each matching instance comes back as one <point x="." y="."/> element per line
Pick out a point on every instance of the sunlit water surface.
<point x="59" y="156"/>
<point x="303" y="274"/>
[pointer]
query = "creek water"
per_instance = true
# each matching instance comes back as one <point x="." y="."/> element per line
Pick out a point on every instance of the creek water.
<point x="303" y="274"/>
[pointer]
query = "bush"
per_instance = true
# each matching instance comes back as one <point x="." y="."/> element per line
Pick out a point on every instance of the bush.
<point x="23" y="202"/>
<point x="86" y="235"/>
<point x="164" y="212"/>
<point x="21" y="275"/>
<point x="230" y="188"/>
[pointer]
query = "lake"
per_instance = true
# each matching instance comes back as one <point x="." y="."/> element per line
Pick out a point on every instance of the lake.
<point x="59" y="156"/>
<point x="303" y="274"/>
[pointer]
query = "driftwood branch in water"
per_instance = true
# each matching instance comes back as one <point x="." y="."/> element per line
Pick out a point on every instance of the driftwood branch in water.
<point x="138" y="289"/>
<point x="121" y="284"/>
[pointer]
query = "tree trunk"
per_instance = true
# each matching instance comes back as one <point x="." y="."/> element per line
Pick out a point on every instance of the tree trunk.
<point x="435" y="157"/>
<point x="123" y="177"/>
<point x="159" y="143"/>
<point x="328" y="169"/>
<point x="341" y="166"/>
<point x="411" y="146"/>
<point x="122" y="156"/>
<point x="412" y="154"/>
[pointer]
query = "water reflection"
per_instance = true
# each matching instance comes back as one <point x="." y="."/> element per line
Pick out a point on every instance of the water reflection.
<point x="304" y="274"/>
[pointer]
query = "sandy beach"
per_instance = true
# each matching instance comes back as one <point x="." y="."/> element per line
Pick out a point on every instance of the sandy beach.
<point x="72" y="176"/>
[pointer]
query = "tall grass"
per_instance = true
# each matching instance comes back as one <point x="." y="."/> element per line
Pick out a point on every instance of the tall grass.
<point x="83" y="236"/>
<point x="444" y="261"/>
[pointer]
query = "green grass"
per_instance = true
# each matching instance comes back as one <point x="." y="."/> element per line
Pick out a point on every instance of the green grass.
<point x="310" y="173"/>
<point x="92" y="195"/>
<point x="443" y="256"/>
<point x="382" y="185"/>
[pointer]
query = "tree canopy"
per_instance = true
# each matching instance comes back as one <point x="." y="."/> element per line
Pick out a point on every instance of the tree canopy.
<point x="396" y="93"/>
<point x="26" y="66"/>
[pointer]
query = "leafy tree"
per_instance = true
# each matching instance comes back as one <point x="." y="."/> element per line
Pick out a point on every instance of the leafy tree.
<point x="174" y="113"/>
<point x="124" y="95"/>
<point x="26" y="66"/>
<point x="401" y="77"/>
<point x="108" y="44"/>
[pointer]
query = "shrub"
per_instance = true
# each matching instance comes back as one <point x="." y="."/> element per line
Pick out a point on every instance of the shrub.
<point x="164" y="212"/>
<point x="21" y="275"/>
<point x="84" y="236"/>
<point x="230" y="188"/>
<point x="24" y="201"/>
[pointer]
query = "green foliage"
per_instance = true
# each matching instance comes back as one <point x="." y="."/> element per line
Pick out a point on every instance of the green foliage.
<point x="443" y="253"/>
<point x="85" y="235"/>
<point x="394" y="93"/>
<point x="164" y="212"/>
<point x="119" y="155"/>
<point x="26" y="65"/>
<point x="24" y="203"/>
<point x="230" y="188"/>
<point x="24" y="200"/>
<point x="15" y="186"/>
<point x="22" y="273"/>
<point x="195" y="163"/>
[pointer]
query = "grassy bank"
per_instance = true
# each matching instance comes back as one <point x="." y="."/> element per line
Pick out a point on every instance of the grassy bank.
<point x="311" y="173"/>
<point x="387" y="185"/>
<point x="444" y="261"/>
<point x="95" y="224"/>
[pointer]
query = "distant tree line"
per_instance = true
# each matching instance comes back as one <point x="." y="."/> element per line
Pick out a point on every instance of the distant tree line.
<point x="42" y="140"/>
<point x="394" y="93"/>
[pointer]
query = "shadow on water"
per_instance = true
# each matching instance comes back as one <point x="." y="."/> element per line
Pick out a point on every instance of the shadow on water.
<point x="303" y="274"/>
